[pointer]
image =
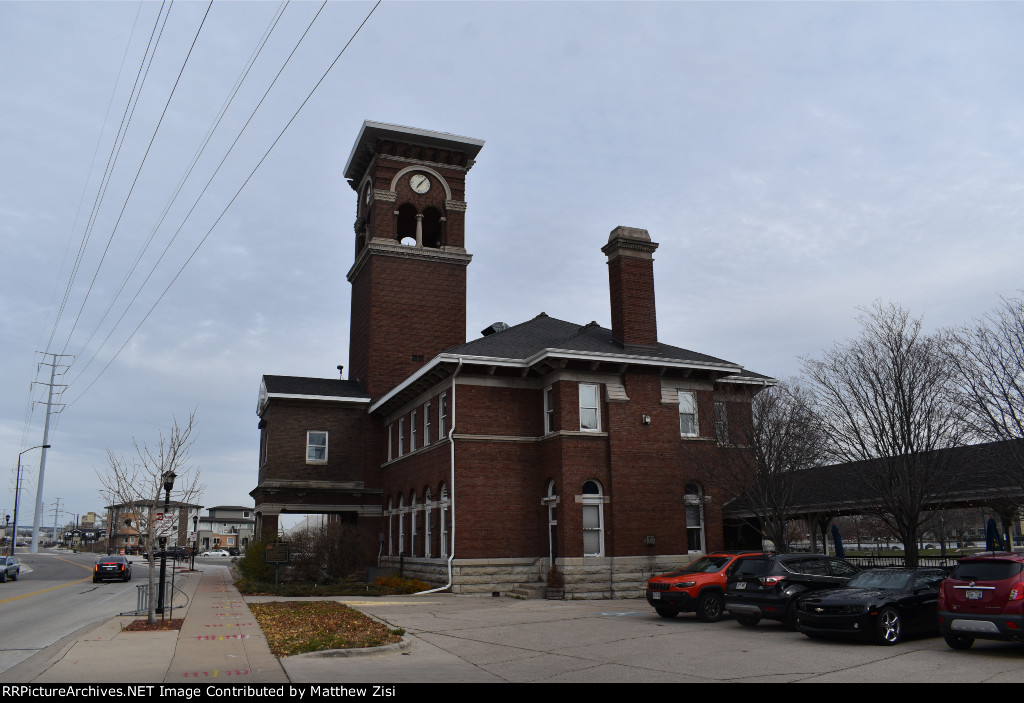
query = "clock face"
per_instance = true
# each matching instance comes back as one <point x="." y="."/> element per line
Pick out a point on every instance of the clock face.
<point x="419" y="183"/>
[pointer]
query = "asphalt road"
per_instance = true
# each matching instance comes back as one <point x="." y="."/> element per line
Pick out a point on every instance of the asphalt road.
<point x="53" y="597"/>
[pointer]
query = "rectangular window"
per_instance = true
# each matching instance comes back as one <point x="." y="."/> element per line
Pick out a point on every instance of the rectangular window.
<point x="316" y="447"/>
<point x="442" y="427"/>
<point x="426" y="424"/>
<point x="549" y="410"/>
<point x="721" y="423"/>
<point x="687" y="414"/>
<point x="412" y="432"/>
<point x="590" y="411"/>
<point x="390" y="456"/>
<point x="401" y="436"/>
<point x="263" y="446"/>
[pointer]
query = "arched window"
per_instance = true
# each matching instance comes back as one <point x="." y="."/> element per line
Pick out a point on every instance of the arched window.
<point x="694" y="500"/>
<point x="550" y="502"/>
<point x="427" y="552"/>
<point x="444" y="520"/>
<point x="401" y="525"/>
<point x="407" y="224"/>
<point x="391" y="516"/>
<point x="593" y="520"/>
<point x="413" y="508"/>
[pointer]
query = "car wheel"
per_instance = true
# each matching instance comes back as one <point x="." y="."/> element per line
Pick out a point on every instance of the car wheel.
<point x="789" y="619"/>
<point x="709" y="607"/>
<point x="889" y="627"/>
<point x="15" y="577"/>
<point x="667" y="611"/>
<point x="748" y="620"/>
<point x="3" y="576"/>
<point x="959" y="641"/>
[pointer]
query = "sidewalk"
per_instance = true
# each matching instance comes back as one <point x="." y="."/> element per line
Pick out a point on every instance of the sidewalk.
<point x="219" y="641"/>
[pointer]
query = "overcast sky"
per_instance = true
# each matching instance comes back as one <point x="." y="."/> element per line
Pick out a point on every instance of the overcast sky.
<point x="793" y="160"/>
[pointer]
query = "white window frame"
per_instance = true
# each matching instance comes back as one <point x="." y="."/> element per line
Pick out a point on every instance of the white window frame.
<point x="412" y="532"/>
<point x="596" y="408"/>
<point x="391" y="527"/>
<point x="390" y="447"/>
<point x="549" y="410"/>
<point x="594" y="501"/>
<point x="412" y="431"/>
<point x="401" y="436"/>
<point x="688" y="412"/>
<point x="443" y="417"/>
<point x="426" y="524"/>
<point x="310" y="446"/>
<point x="444" y="521"/>
<point x="401" y="525"/>
<point x="426" y="424"/>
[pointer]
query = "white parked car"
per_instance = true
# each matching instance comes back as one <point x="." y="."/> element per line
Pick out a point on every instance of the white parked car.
<point x="215" y="553"/>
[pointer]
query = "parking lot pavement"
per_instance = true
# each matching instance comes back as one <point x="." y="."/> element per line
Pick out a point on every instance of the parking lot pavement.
<point x="469" y="639"/>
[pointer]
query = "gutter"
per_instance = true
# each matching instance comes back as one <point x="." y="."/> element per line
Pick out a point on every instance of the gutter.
<point x="451" y="490"/>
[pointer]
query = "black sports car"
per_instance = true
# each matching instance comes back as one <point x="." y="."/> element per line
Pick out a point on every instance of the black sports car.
<point x="883" y="605"/>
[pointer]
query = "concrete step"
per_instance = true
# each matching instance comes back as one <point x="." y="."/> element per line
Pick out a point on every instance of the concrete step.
<point x="528" y="591"/>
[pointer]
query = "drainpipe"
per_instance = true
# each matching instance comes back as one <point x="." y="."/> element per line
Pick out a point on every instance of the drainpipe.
<point x="451" y="490"/>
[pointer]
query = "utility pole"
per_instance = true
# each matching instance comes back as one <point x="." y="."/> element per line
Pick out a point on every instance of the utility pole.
<point x="56" y="513"/>
<point x="36" y="520"/>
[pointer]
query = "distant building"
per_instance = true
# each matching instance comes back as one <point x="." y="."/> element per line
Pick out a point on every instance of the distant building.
<point x="128" y="524"/>
<point x="226" y="526"/>
<point x="546" y="442"/>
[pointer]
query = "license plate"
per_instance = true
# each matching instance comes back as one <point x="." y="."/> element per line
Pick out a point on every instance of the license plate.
<point x="972" y="594"/>
<point x="655" y="595"/>
<point x="741" y="585"/>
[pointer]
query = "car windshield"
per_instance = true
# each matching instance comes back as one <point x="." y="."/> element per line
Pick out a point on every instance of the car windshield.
<point x="889" y="580"/>
<point x="705" y="565"/>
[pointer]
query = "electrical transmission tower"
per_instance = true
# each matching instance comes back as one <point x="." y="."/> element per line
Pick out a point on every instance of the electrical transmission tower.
<point x="50" y="405"/>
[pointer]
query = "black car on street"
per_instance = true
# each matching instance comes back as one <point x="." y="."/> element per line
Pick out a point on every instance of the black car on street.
<point x="768" y="586"/>
<point x="882" y="605"/>
<point x="112" y="567"/>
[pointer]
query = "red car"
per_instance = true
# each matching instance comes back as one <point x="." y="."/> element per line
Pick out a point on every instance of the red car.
<point x="983" y="599"/>
<point x="698" y="587"/>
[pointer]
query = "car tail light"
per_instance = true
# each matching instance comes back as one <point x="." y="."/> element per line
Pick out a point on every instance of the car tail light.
<point x="942" y="596"/>
<point x="1017" y="592"/>
<point x="772" y="580"/>
<point x="96" y="568"/>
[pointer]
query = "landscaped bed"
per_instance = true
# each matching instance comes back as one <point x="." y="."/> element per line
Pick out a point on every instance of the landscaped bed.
<point x="297" y="627"/>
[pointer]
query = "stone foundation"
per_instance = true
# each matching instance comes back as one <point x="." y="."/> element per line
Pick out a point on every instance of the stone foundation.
<point x="585" y="577"/>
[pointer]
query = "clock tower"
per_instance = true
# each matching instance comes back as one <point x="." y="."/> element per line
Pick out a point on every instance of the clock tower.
<point x="409" y="275"/>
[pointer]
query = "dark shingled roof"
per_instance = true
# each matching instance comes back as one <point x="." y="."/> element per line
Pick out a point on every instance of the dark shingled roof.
<point x="543" y="332"/>
<point x="299" y="385"/>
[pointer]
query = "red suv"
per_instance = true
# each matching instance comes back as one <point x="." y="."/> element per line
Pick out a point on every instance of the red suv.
<point x="699" y="587"/>
<point x="983" y="599"/>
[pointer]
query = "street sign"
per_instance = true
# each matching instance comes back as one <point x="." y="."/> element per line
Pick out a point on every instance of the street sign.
<point x="278" y="553"/>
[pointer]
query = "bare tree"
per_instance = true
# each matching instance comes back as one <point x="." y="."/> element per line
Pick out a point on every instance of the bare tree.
<point x="783" y="437"/>
<point x="135" y="486"/>
<point x="886" y="399"/>
<point x="989" y="358"/>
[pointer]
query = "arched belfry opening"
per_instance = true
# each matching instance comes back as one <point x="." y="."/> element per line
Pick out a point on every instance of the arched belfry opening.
<point x="433" y="235"/>
<point x="406" y="230"/>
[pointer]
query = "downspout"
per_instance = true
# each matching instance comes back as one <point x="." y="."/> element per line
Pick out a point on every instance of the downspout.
<point x="451" y="490"/>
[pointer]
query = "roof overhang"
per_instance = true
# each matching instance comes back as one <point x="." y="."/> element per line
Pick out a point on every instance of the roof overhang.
<point x="372" y="131"/>
<point x="551" y="353"/>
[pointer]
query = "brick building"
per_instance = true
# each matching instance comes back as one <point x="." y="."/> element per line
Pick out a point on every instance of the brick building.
<point x="478" y="463"/>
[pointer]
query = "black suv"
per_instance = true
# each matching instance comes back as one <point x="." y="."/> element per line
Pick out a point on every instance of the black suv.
<point x="768" y="586"/>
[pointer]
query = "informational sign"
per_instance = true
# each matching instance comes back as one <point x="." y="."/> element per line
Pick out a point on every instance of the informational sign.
<point x="278" y="553"/>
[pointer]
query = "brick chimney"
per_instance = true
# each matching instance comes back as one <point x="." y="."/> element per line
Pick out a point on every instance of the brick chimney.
<point x="631" y="285"/>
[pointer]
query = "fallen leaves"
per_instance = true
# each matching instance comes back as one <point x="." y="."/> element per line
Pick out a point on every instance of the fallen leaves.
<point x="293" y="627"/>
<point x="143" y="626"/>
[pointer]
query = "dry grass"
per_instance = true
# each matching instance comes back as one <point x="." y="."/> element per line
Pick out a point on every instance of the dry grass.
<point x="294" y="627"/>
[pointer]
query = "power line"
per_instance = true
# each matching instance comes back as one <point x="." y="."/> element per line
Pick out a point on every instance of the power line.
<point x="239" y="191"/>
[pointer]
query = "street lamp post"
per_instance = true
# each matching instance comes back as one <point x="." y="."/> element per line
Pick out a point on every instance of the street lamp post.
<point x="17" y="494"/>
<point x="168" y="485"/>
<point x="195" y="539"/>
